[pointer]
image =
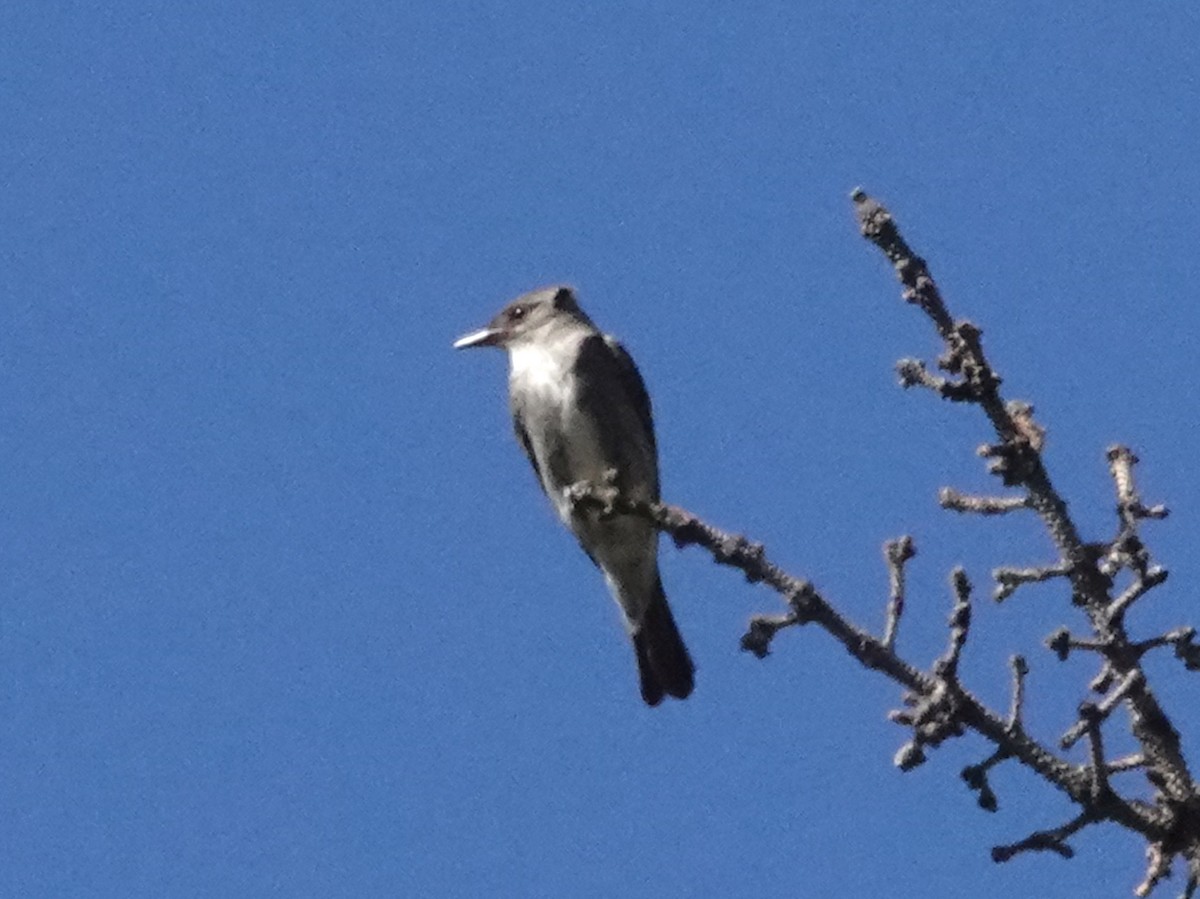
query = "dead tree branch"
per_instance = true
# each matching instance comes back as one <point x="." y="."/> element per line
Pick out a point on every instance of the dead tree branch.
<point x="936" y="704"/>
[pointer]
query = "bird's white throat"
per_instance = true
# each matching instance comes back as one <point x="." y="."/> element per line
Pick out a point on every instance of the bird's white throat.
<point x="544" y="367"/>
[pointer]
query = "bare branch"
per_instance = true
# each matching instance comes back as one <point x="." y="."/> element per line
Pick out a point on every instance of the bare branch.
<point x="960" y="624"/>
<point x="1129" y="504"/>
<point x="1016" y="458"/>
<point x="937" y="706"/>
<point x="1158" y="867"/>
<point x="897" y="553"/>
<point x="913" y="373"/>
<point x="1009" y="579"/>
<point x="1127" y="763"/>
<point x="1094" y="713"/>
<point x="1103" y="679"/>
<point x="976" y="777"/>
<point x="1188" y="651"/>
<point x="762" y="630"/>
<point x="936" y="712"/>
<point x="1181" y="639"/>
<point x="1061" y="642"/>
<point x="1054" y="840"/>
<point x="951" y="499"/>
<point x="1148" y="580"/>
<point x="1020" y="668"/>
<point x="1098" y="767"/>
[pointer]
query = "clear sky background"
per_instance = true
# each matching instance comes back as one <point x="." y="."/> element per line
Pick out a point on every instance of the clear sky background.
<point x="282" y="610"/>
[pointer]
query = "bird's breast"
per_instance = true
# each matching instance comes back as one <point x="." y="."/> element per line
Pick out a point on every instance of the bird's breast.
<point x="564" y="438"/>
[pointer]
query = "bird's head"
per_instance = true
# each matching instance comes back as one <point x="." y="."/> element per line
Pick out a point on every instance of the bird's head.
<point x="529" y="317"/>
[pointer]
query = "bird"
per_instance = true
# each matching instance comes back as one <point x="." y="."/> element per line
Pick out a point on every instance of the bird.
<point x="581" y="413"/>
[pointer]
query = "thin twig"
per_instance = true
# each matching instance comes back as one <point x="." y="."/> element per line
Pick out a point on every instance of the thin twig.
<point x="1020" y="668"/>
<point x="956" y="501"/>
<point x="897" y="553"/>
<point x="1054" y="840"/>
<point x="1089" y="712"/>
<point x="1008" y="579"/>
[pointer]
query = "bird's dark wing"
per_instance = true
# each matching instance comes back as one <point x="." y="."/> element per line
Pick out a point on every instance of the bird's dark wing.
<point x="631" y="378"/>
<point x="627" y="426"/>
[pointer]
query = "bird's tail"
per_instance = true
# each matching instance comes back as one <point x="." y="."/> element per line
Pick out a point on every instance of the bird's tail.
<point x="664" y="666"/>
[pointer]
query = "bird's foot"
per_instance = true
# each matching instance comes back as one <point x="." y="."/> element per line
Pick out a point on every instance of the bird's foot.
<point x="600" y="494"/>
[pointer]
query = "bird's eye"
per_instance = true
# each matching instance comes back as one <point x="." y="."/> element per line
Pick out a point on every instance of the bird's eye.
<point x="517" y="312"/>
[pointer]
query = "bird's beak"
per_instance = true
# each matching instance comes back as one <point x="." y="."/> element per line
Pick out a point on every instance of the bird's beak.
<point x="482" y="337"/>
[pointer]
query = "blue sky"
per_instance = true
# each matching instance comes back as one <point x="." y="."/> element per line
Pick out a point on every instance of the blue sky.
<point x="283" y="611"/>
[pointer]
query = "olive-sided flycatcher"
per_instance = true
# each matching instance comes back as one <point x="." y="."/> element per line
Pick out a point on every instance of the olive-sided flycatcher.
<point x="580" y="409"/>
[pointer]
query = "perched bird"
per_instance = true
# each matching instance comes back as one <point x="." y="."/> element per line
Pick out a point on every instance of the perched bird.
<point x="580" y="409"/>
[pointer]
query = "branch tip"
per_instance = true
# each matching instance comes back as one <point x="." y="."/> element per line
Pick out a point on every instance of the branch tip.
<point x="1009" y="579"/>
<point x="1054" y="840"/>
<point x="956" y="501"/>
<point x="896" y="553"/>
